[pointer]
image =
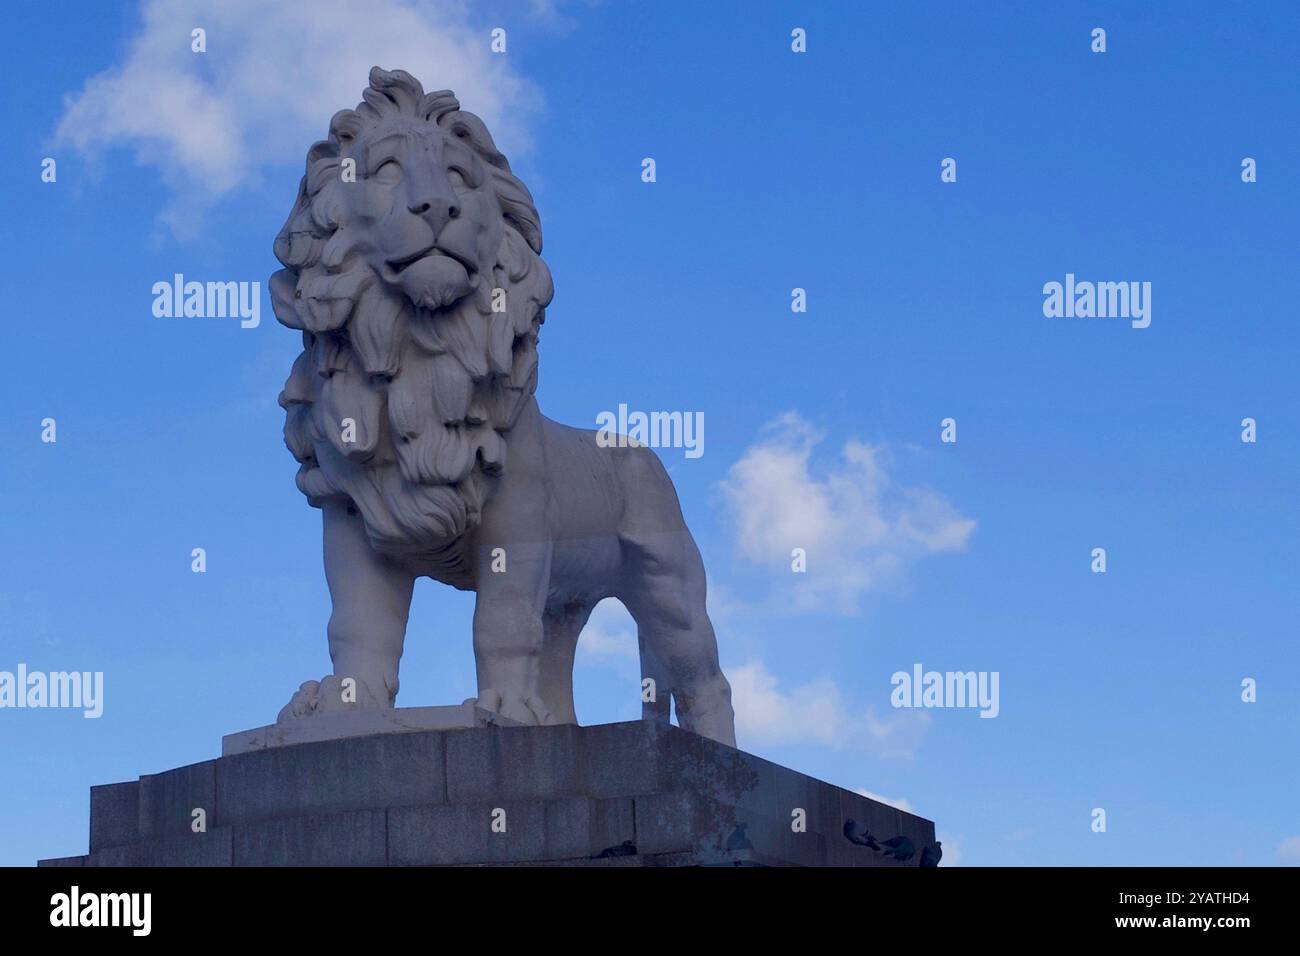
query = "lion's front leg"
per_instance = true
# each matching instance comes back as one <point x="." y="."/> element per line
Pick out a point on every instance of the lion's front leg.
<point x="512" y="557"/>
<point x="508" y="630"/>
<point x="372" y="600"/>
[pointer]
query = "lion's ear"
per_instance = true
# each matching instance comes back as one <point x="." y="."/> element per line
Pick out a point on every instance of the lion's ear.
<point x="344" y="126"/>
<point x="321" y="149"/>
<point x="468" y="128"/>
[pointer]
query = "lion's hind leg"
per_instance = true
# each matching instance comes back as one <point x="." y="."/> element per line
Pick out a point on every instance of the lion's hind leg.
<point x="666" y="596"/>
<point x="662" y="585"/>
<point x="665" y="592"/>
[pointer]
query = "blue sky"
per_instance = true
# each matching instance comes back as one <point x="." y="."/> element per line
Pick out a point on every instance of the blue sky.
<point x="775" y="170"/>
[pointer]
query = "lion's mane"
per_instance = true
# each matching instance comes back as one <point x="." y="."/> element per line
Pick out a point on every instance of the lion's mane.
<point x="432" y="394"/>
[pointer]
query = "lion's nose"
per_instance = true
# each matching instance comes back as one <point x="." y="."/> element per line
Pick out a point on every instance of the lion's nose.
<point x="451" y="210"/>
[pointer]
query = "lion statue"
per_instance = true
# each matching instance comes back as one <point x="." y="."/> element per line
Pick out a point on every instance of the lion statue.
<point x="412" y="268"/>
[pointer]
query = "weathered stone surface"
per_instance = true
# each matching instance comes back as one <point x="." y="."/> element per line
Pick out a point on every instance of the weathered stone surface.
<point x="114" y="814"/>
<point x="513" y="762"/>
<point x="360" y="723"/>
<point x="568" y="828"/>
<point x="624" y="759"/>
<point x="213" y="848"/>
<point x="431" y="836"/>
<point x="628" y="794"/>
<point x="677" y="823"/>
<point x="360" y="773"/>
<point x="612" y="824"/>
<point x="128" y="854"/>
<point x="168" y="800"/>
<point x="357" y="838"/>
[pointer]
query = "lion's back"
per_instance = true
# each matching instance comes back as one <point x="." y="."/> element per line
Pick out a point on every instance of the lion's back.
<point x="585" y="479"/>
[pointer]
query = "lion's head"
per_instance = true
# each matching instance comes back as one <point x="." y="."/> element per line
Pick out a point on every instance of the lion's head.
<point x="412" y="268"/>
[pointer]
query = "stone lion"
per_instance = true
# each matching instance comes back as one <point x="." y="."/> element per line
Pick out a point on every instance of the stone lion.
<point x="412" y="269"/>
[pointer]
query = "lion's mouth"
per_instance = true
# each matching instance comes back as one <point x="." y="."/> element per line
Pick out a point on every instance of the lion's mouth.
<point x="398" y="266"/>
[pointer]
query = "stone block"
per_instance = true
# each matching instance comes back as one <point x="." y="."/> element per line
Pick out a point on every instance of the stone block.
<point x="458" y="834"/>
<point x="168" y="800"/>
<point x="213" y="848"/>
<point x="356" y="838"/>
<point x="624" y="759"/>
<point x="509" y="763"/>
<point x="114" y="814"/>
<point x="386" y="770"/>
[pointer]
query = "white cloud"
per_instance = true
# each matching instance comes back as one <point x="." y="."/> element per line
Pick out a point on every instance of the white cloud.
<point x="815" y="713"/>
<point x="888" y="801"/>
<point x="271" y="78"/>
<point x="857" y="527"/>
<point x="766" y="714"/>
<point x="1288" y="851"/>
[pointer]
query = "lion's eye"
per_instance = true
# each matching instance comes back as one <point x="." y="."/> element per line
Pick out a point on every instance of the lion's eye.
<point x="389" y="173"/>
<point x="456" y="179"/>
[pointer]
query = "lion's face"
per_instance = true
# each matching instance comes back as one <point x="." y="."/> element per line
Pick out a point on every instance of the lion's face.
<point x="424" y="214"/>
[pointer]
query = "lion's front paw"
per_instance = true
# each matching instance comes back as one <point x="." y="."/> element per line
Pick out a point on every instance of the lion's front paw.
<point x="525" y="710"/>
<point x="329" y="695"/>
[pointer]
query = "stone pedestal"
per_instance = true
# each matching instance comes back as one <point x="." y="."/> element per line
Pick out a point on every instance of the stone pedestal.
<point x="627" y="794"/>
<point x="361" y="723"/>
